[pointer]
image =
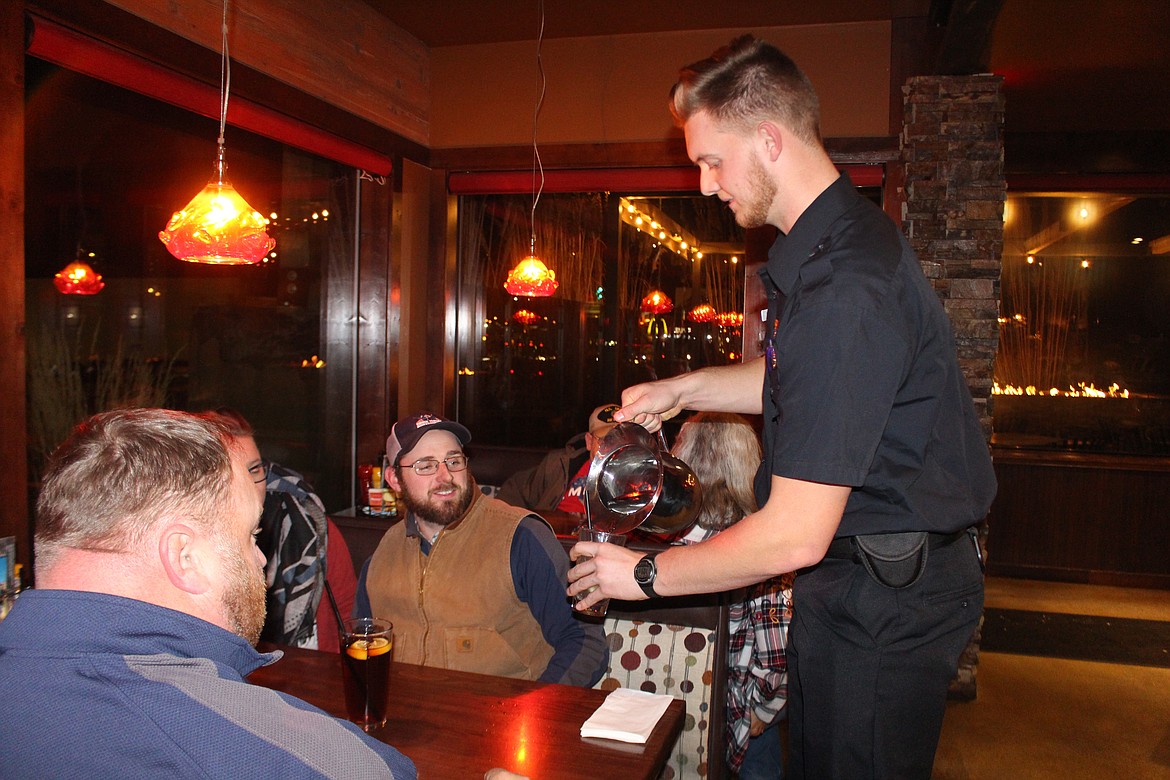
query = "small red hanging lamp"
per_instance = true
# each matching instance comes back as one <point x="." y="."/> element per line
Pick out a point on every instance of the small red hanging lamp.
<point x="730" y="319"/>
<point x="78" y="278"/>
<point x="657" y="302"/>
<point x="525" y="317"/>
<point x="531" y="278"/>
<point x="704" y="312"/>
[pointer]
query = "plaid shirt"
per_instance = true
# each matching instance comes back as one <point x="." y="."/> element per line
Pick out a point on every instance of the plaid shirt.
<point x="757" y="677"/>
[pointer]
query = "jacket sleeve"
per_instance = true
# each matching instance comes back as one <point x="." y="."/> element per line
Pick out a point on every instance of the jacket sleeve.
<point x="361" y="598"/>
<point x="540" y="573"/>
<point x="342" y="582"/>
<point x="538" y="488"/>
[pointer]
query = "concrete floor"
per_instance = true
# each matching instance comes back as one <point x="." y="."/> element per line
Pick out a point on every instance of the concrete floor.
<point x="1040" y="718"/>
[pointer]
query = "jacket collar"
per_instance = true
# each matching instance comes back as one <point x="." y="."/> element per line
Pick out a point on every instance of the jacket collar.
<point x="122" y="626"/>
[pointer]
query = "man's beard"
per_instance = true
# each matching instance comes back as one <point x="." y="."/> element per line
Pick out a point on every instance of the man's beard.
<point x="244" y="593"/>
<point x="440" y="513"/>
<point x="753" y="210"/>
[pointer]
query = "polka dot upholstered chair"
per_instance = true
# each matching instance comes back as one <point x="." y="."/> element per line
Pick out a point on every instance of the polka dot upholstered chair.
<point x="680" y="661"/>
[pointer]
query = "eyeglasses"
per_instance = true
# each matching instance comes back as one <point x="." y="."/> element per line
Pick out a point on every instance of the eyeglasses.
<point x="258" y="473"/>
<point x="605" y="413"/>
<point x="427" y="466"/>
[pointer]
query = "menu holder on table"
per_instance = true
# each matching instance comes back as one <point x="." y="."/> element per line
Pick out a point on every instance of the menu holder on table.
<point x="626" y="715"/>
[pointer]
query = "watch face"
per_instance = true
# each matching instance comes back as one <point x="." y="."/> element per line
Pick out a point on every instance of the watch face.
<point x="644" y="571"/>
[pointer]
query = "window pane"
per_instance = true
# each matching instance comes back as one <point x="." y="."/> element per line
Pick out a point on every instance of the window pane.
<point x="106" y="168"/>
<point x="1084" y="358"/>
<point x="689" y="250"/>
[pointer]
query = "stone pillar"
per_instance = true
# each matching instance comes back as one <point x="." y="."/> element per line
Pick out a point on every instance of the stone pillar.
<point x="952" y="214"/>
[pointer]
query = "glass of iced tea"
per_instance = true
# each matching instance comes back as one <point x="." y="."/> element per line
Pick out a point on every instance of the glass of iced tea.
<point x="365" y="668"/>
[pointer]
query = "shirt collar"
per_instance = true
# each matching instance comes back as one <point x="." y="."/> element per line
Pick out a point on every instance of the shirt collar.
<point x="807" y="237"/>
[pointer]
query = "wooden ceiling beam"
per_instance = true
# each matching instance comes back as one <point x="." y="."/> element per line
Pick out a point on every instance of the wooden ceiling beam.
<point x="966" y="44"/>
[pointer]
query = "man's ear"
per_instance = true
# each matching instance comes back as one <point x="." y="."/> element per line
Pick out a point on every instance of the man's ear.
<point x="391" y="477"/>
<point x="183" y="554"/>
<point x="768" y="134"/>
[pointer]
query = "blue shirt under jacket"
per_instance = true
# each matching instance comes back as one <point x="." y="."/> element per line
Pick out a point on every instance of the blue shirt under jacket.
<point x="102" y="686"/>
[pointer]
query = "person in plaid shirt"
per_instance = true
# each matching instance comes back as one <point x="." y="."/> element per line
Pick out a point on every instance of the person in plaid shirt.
<point x="724" y="451"/>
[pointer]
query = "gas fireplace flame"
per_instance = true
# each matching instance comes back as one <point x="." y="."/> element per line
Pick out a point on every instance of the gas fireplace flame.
<point x="1081" y="390"/>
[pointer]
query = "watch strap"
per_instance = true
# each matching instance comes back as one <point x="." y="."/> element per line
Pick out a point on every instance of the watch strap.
<point x="648" y="586"/>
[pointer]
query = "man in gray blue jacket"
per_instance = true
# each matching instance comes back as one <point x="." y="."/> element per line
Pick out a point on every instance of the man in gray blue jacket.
<point x="129" y="658"/>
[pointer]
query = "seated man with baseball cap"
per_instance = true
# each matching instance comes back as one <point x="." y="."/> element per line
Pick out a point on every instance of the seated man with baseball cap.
<point x="558" y="481"/>
<point x="470" y="582"/>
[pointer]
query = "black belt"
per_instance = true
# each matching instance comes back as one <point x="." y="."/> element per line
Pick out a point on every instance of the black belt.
<point x="842" y="547"/>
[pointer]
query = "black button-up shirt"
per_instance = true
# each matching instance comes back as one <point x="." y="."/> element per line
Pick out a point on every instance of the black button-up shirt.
<point x="862" y="383"/>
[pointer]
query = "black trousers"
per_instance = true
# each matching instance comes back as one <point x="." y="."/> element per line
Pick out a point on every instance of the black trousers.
<point x="869" y="666"/>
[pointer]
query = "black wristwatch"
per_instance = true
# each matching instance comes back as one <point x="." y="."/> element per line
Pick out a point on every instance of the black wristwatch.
<point x="645" y="572"/>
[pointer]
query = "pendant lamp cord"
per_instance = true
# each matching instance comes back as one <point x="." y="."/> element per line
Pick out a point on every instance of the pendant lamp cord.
<point x="225" y="73"/>
<point x="83" y="227"/>
<point x="542" y="83"/>
<point x="225" y="88"/>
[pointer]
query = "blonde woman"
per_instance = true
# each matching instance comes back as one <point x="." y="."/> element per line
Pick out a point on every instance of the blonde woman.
<point x="724" y="452"/>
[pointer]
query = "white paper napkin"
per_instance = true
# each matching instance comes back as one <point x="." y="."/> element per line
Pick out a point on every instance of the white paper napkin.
<point x="627" y="715"/>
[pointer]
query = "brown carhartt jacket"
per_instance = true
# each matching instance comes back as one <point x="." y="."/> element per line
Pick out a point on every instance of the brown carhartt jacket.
<point x="457" y="608"/>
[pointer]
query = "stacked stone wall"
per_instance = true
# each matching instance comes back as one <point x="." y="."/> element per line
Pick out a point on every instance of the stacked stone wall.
<point x="952" y="213"/>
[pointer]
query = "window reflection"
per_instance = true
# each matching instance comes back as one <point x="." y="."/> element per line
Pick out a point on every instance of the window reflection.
<point x="531" y="369"/>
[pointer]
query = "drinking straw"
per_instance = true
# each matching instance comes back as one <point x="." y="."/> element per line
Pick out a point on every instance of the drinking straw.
<point x="336" y="612"/>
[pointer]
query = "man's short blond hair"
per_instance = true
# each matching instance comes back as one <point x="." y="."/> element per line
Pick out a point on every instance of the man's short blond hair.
<point x="747" y="82"/>
<point x="118" y="472"/>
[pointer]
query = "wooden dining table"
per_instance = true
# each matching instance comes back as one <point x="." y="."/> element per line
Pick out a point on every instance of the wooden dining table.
<point x="457" y="725"/>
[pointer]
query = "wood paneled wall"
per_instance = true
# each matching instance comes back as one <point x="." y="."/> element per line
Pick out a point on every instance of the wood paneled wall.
<point x="341" y="51"/>
<point x="1081" y="518"/>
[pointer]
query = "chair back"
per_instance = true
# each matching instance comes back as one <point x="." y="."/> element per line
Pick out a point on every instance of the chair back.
<point x="677" y="646"/>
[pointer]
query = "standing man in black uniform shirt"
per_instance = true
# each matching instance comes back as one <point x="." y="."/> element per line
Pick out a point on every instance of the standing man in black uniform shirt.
<point x="875" y="465"/>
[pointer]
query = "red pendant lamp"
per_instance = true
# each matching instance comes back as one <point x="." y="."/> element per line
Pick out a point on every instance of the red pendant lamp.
<point x="657" y="302"/>
<point x="704" y="312"/>
<point x="78" y="278"/>
<point x="525" y="317"/>
<point x="531" y="278"/>
<point x="218" y="226"/>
